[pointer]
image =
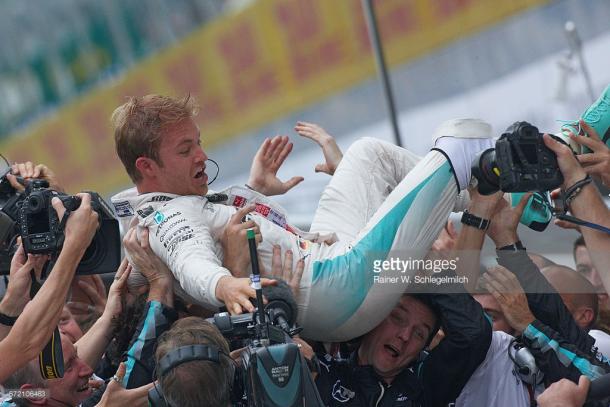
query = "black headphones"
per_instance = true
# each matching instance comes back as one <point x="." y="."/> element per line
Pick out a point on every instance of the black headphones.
<point x="185" y="354"/>
<point x="525" y="363"/>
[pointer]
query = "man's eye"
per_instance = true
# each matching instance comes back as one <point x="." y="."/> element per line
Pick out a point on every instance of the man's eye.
<point x="398" y="318"/>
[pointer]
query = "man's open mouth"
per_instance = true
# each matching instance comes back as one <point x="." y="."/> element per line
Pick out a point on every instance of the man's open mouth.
<point x="392" y="350"/>
<point x="85" y="387"/>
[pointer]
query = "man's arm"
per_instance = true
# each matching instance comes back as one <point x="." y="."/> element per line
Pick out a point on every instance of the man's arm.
<point x="586" y="205"/>
<point x="34" y="327"/>
<point x="93" y="344"/>
<point x="555" y="356"/>
<point x="467" y="338"/>
<point x="158" y="314"/>
<point x="18" y="291"/>
<point x="189" y="249"/>
<point x="470" y="240"/>
<point x="542" y="298"/>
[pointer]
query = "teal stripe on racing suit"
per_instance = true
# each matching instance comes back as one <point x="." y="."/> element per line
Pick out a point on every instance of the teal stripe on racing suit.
<point x="343" y="285"/>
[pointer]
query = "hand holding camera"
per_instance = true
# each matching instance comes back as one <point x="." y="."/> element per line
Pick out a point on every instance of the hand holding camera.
<point x="82" y="221"/>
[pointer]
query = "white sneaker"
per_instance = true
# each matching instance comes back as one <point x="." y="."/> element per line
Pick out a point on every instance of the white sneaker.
<point x="460" y="140"/>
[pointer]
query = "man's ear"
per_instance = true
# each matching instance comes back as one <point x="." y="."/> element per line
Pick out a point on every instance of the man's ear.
<point x="146" y="166"/>
<point x="37" y="401"/>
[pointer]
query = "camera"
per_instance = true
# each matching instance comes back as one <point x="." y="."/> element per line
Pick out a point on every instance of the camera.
<point x="272" y="371"/>
<point x="520" y="162"/>
<point x="31" y="216"/>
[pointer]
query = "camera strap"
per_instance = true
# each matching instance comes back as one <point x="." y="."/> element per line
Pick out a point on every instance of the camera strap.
<point x="64" y="219"/>
<point x="51" y="358"/>
<point x="580" y="222"/>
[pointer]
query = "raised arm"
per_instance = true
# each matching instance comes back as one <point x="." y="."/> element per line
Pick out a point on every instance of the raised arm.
<point x="470" y="239"/>
<point x="35" y="325"/>
<point x="586" y="205"/>
<point x="93" y="344"/>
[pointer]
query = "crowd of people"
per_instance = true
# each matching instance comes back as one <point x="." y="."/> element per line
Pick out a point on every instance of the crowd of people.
<point x="524" y="332"/>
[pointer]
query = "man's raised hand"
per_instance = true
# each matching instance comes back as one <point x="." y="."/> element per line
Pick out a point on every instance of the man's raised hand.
<point x="265" y="165"/>
<point x="234" y="242"/>
<point x="330" y="149"/>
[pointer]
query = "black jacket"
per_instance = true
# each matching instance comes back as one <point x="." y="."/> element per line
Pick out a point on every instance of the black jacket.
<point x="433" y="381"/>
<point x="562" y="349"/>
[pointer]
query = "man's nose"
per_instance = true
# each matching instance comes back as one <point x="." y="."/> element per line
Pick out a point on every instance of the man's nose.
<point x="85" y="370"/>
<point x="405" y="334"/>
<point x="201" y="155"/>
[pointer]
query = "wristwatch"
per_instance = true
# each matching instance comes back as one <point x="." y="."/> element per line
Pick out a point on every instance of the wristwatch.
<point x="513" y="247"/>
<point x="474" y="221"/>
<point x="6" y="320"/>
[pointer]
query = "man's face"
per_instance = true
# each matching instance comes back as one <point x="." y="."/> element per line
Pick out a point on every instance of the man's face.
<point x="492" y="308"/>
<point x="584" y="266"/>
<point x="398" y="339"/>
<point x="73" y="388"/>
<point x="68" y="326"/>
<point x="181" y="169"/>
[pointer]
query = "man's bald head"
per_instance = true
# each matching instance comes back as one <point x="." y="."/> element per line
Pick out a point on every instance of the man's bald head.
<point x="577" y="293"/>
<point x="540" y="261"/>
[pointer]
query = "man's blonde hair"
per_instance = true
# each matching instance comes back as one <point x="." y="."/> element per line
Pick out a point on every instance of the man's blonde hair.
<point x="139" y="123"/>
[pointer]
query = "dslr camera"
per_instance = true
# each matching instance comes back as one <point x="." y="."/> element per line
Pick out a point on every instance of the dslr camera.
<point x="521" y="162"/>
<point x="31" y="216"/>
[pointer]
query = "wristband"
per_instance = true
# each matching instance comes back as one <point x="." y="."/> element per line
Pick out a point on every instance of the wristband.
<point x="6" y="320"/>
<point x="474" y="221"/>
<point x="575" y="189"/>
<point x="517" y="246"/>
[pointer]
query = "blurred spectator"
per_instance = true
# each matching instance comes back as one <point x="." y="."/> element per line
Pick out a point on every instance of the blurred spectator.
<point x="577" y="294"/>
<point x="87" y="300"/>
<point x="585" y="267"/>
<point x="68" y="326"/>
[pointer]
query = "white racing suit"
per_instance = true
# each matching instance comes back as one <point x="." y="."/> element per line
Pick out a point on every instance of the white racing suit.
<point x="382" y="198"/>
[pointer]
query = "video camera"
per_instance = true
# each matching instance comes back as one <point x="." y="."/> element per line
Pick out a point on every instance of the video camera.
<point x="272" y="372"/>
<point x="31" y="216"/>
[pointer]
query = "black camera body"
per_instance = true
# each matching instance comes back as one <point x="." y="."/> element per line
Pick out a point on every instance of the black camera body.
<point x="521" y="162"/>
<point x="31" y="216"/>
<point x="37" y="220"/>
